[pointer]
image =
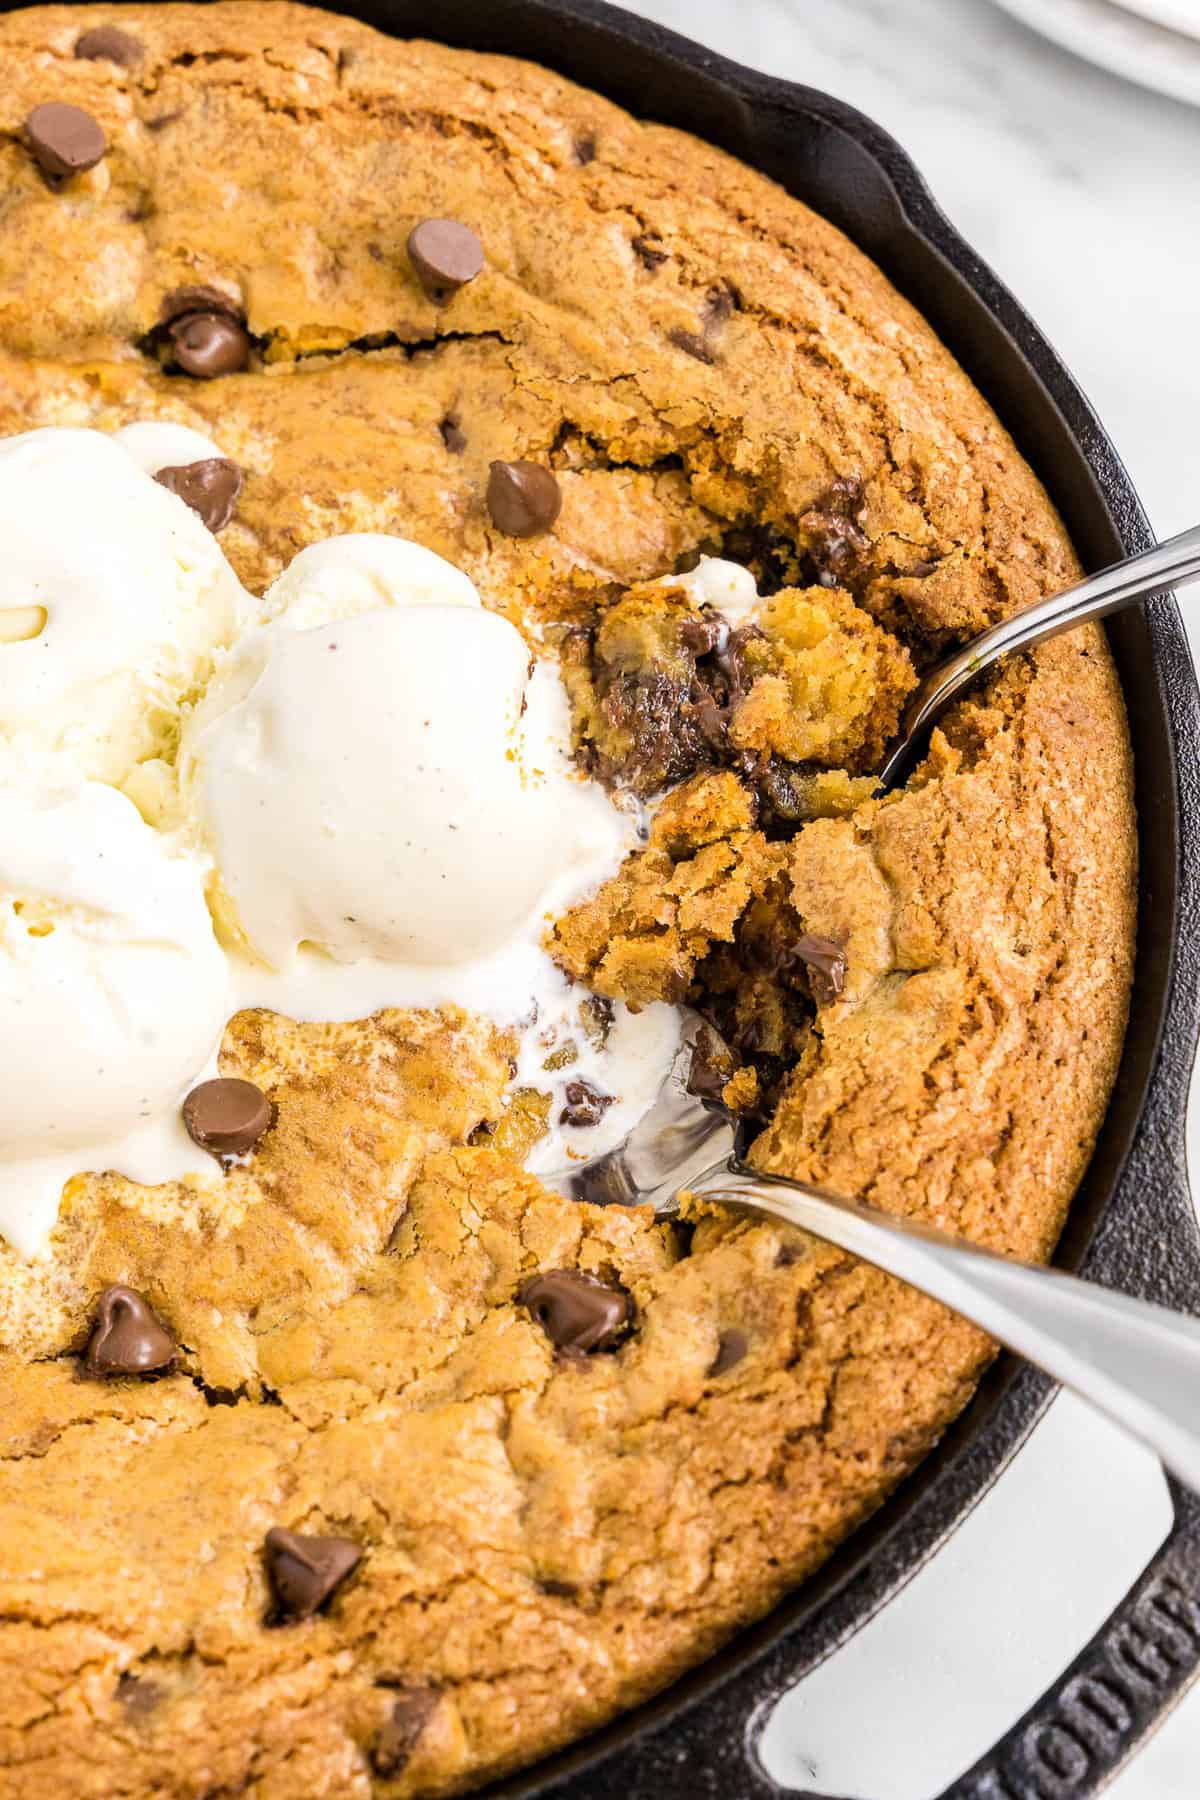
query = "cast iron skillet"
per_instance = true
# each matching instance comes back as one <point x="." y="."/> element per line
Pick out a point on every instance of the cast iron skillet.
<point x="1132" y="1225"/>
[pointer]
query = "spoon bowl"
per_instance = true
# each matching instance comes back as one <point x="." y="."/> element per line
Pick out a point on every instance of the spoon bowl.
<point x="1137" y="578"/>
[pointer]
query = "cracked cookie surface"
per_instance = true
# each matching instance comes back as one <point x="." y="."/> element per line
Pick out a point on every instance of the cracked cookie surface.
<point x="706" y="366"/>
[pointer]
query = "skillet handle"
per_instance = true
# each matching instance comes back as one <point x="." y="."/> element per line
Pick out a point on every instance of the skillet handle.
<point x="1117" y="1690"/>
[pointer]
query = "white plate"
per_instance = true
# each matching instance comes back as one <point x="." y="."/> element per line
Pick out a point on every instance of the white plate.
<point x="1120" y="40"/>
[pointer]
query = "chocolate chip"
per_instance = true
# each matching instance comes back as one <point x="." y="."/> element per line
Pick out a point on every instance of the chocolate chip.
<point x="64" y="139"/>
<point x="830" y="530"/>
<point x="647" y="249"/>
<point x="106" y="43"/>
<point x="650" y="709"/>
<point x="711" y="1066"/>
<point x="137" y="1695"/>
<point x="523" y="498"/>
<point x="577" y="1312"/>
<point x="700" y="635"/>
<point x="731" y="661"/>
<point x="445" y="255"/>
<point x="596" y="1015"/>
<point x="398" y="1737"/>
<point x="825" y="962"/>
<point x="453" y="435"/>
<point x="304" y="1571"/>
<point x="586" y="1105"/>
<point x="210" y="487"/>
<point x="834" y="543"/>
<point x="731" y="1348"/>
<point x="585" y="151"/>
<point x="208" y="344"/>
<point x="783" y="787"/>
<point x="557" y="1590"/>
<point x="227" y="1116"/>
<point x="128" y="1337"/>
<point x="694" y="343"/>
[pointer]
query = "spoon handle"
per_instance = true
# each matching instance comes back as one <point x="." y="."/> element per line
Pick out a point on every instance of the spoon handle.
<point x="1137" y="578"/>
<point x="1136" y="1362"/>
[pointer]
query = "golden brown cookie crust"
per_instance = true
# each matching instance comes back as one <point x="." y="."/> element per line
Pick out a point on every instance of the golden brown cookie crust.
<point x="699" y="358"/>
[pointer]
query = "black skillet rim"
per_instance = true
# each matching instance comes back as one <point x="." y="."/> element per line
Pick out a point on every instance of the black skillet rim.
<point x="1132" y="1224"/>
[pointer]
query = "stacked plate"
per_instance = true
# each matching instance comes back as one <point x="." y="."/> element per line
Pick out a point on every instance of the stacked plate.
<point x="1155" y="42"/>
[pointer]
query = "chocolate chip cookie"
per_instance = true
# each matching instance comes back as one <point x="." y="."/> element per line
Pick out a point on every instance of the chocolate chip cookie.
<point x="377" y="1468"/>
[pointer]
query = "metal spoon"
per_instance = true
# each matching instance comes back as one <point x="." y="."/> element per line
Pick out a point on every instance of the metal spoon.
<point x="1137" y="578"/>
<point x="1137" y="1362"/>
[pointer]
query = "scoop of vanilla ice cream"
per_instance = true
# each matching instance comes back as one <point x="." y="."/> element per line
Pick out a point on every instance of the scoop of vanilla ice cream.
<point x="115" y="599"/>
<point x="342" y="576"/>
<point x="392" y="785"/>
<point x="113" y="990"/>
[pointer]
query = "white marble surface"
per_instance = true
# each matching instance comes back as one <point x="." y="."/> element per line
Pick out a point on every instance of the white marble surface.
<point x="1083" y="192"/>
